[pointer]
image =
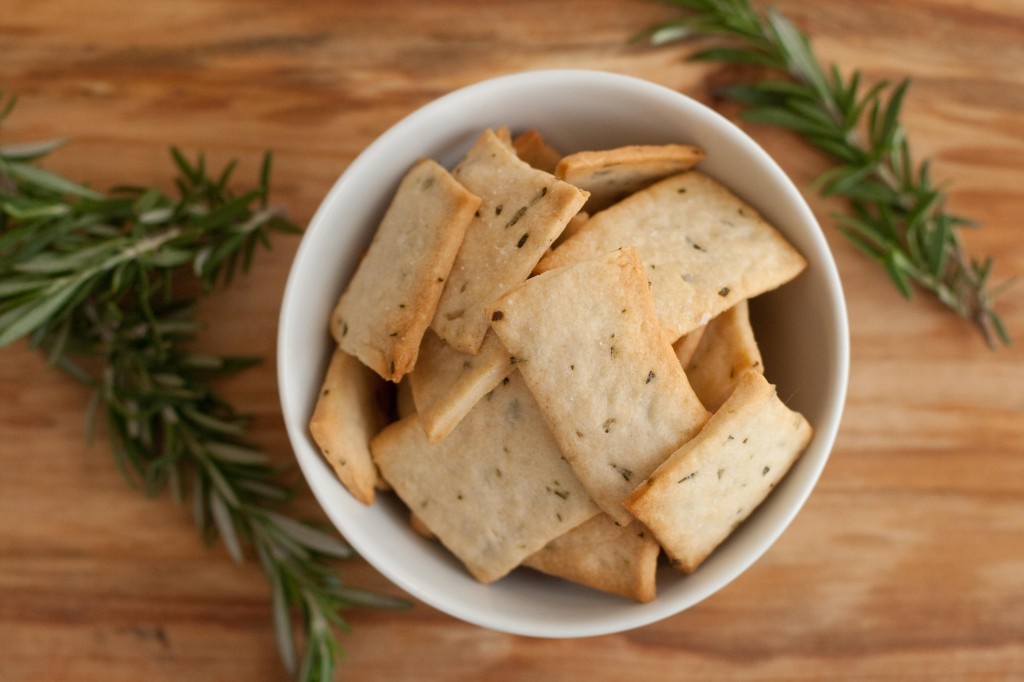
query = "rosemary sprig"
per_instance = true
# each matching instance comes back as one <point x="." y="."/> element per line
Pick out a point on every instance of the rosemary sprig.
<point x="94" y="281"/>
<point x="897" y="214"/>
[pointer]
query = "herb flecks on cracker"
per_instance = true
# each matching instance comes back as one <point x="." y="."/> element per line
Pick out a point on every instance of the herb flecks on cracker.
<point x="702" y="239"/>
<point x="523" y="211"/>
<point x="613" y="174"/>
<point x="712" y="483"/>
<point x="412" y="251"/>
<point x="593" y="340"/>
<point x="495" y="490"/>
<point x="605" y="556"/>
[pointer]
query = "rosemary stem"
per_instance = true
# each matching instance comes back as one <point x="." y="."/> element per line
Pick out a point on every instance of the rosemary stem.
<point x="896" y="215"/>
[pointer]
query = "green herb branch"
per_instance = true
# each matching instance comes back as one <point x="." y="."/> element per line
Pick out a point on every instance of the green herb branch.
<point x="897" y="214"/>
<point x="93" y="280"/>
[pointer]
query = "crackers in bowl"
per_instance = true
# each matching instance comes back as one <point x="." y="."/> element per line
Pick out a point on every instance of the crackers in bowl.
<point x="581" y="390"/>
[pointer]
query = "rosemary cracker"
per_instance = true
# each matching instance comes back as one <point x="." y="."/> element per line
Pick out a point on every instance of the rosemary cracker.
<point x="605" y="556"/>
<point x="347" y="415"/>
<point x="412" y="251"/>
<point x="686" y="345"/>
<point x="711" y="484"/>
<point x="587" y="341"/>
<point x="495" y="490"/>
<point x="446" y="384"/>
<point x="704" y="248"/>
<point x="522" y="211"/>
<point x="531" y="147"/>
<point x="625" y="336"/>
<point x="725" y="350"/>
<point x="613" y="174"/>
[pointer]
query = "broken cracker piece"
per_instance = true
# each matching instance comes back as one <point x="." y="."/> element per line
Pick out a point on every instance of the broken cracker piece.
<point x="725" y="350"/>
<point x="532" y="148"/>
<point x="686" y="345"/>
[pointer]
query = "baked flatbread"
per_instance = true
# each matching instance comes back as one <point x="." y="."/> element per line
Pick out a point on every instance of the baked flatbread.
<point x="704" y="249"/>
<point x="495" y="490"/>
<point x="587" y="342"/>
<point x="711" y="484"/>
<point x="383" y="312"/>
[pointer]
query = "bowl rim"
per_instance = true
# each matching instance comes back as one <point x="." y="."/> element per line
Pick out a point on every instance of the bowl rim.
<point x="825" y="431"/>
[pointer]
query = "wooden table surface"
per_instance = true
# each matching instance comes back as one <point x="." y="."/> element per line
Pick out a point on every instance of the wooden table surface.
<point x="906" y="563"/>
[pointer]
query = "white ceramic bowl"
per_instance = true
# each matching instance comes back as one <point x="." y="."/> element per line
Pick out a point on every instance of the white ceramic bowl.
<point x="802" y="328"/>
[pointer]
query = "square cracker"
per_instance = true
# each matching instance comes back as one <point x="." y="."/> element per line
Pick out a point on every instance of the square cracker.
<point x="587" y="342"/>
<point x="383" y="312"/>
<point x="613" y="174"/>
<point x="703" y="247"/>
<point x="605" y="556"/>
<point x="523" y="210"/>
<point x="446" y="384"/>
<point x="726" y="349"/>
<point x="349" y="411"/>
<point x="495" y="490"/>
<point x="711" y="484"/>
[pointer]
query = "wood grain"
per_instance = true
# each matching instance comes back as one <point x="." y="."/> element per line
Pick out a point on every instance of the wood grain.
<point x="907" y="562"/>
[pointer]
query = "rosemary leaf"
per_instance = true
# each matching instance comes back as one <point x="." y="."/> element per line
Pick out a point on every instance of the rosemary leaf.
<point x="236" y="454"/>
<point x="45" y="180"/>
<point x="225" y="526"/>
<point x="30" y="150"/>
<point x="310" y="537"/>
<point x="282" y="618"/>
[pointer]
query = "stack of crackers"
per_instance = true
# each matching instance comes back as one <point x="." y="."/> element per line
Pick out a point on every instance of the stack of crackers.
<point x="579" y="389"/>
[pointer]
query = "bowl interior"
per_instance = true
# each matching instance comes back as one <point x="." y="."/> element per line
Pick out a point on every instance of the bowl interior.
<point x="801" y="327"/>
